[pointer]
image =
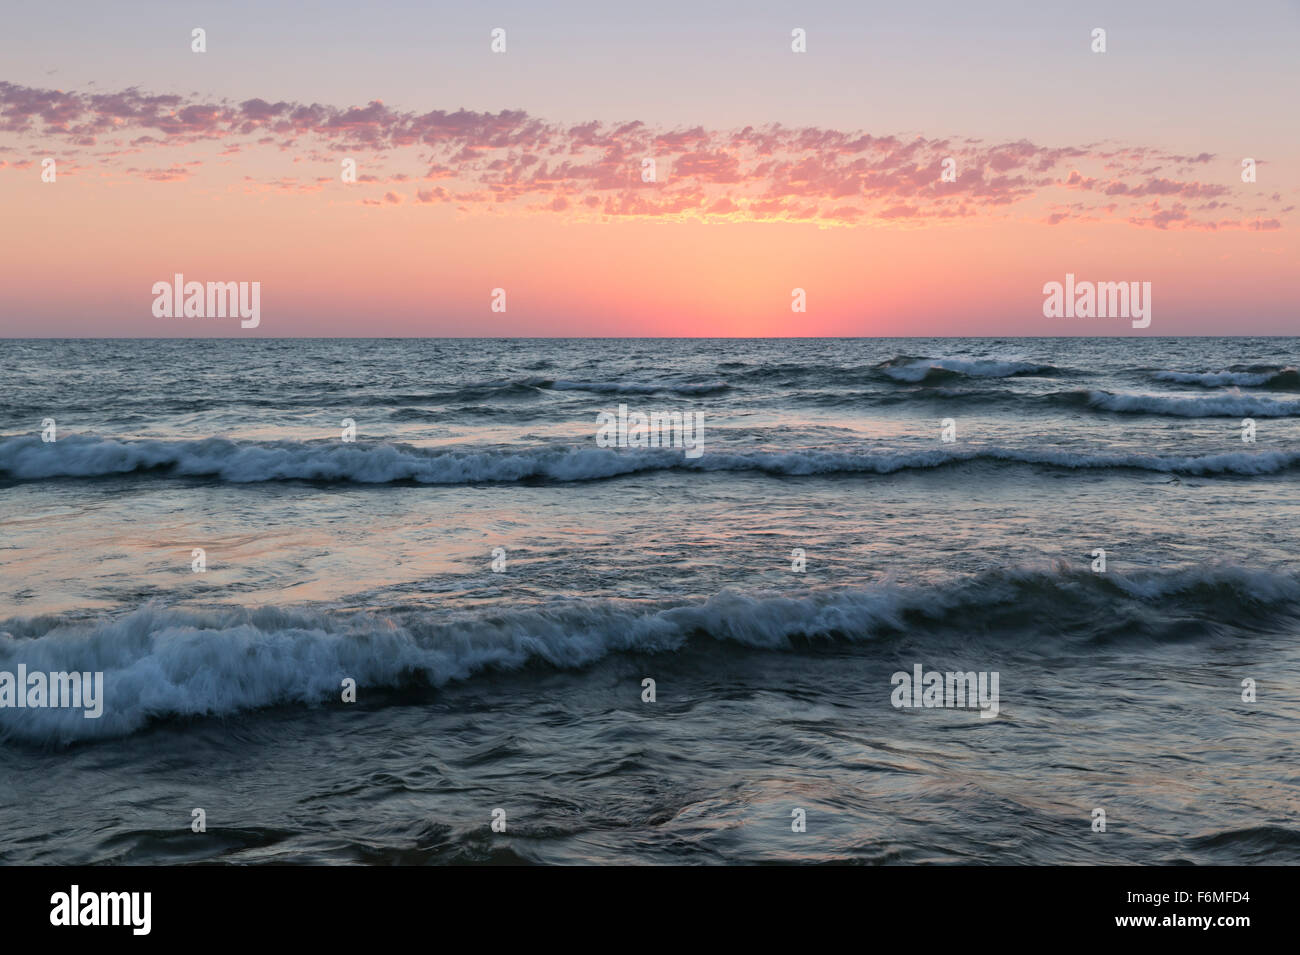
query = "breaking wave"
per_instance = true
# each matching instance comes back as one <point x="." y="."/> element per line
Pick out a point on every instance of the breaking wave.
<point x="27" y="458"/>
<point x="1246" y="376"/>
<point x="1209" y="407"/>
<point x="915" y="370"/>
<point x="165" y="663"/>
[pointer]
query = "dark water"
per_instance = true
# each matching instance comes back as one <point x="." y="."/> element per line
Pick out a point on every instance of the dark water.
<point x="521" y="690"/>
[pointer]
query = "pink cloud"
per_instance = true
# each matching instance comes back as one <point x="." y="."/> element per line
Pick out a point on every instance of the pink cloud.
<point x="509" y="158"/>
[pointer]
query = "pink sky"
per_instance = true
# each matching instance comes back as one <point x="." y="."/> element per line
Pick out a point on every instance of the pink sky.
<point x="451" y="203"/>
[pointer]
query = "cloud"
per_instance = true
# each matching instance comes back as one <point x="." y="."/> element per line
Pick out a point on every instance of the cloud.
<point x="510" y="160"/>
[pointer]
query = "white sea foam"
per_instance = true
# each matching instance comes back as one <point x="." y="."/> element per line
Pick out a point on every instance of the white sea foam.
<point x="974" y="367"/>
<point x="1229" y="379"/>
<point x="27" y="458"/>
<point x="1213" y="406"/>
<point x="166" y="662"/>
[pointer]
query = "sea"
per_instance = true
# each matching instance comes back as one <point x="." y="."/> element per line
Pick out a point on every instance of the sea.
<point x="396" y="602"/>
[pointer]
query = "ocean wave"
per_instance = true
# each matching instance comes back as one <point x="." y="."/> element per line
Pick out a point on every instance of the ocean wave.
<point x="161" y="663"/>
<point x="27" y="458"/>
<point x="639" y="388"/>
<point x="1268" y="376"/>
<point x="791" y="373"/>
<point x="940" y="394"/>
<point x="523" y="388"/>
<point x="915" y="370"/>
<point x="1211" y="406"/>
<point x="1216" y="406"/>
<point x="901" y="369"/>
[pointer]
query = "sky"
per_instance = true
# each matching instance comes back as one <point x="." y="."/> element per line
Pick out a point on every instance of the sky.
<point x="919" y="169"/>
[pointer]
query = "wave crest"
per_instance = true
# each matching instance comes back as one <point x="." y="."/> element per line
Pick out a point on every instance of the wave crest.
<point x="27" y="458"/>
<point x="163" y="663"/>
<point x="1216" y="406"/>
<point x="1250" y="376"/>
<point x="915" y="370"/>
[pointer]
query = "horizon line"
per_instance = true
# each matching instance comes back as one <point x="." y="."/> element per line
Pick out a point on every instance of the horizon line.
<point x="596" y="338"/>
